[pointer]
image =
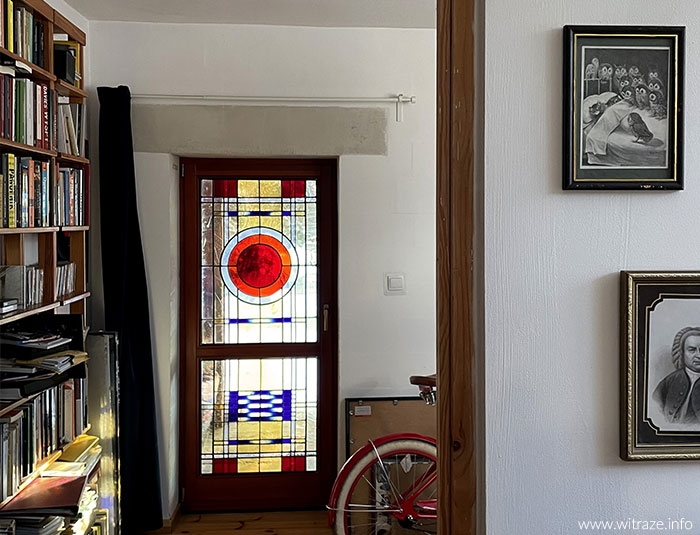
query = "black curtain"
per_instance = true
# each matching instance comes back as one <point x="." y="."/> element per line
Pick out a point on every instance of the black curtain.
<point x="127" y="312"/>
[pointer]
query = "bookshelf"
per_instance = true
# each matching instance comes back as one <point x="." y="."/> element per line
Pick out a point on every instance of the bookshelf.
<point x="44" y="221"/>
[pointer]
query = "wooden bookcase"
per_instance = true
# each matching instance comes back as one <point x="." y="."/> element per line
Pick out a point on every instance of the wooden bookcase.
<point x="42" y="119"/>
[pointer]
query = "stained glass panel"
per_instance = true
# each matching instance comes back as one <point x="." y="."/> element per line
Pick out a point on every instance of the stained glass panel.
<point x="259" y="261"/>
<point x="259" y="415"/>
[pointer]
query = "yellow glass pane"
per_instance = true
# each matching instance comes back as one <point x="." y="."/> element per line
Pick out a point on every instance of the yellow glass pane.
<point x="248" y="465"/>
<point x="249" y="221"/>
<point x="271" y="465"/>
<point x="248" y="188"/>
<point x="248" y="430"/>
<point x="271" y="188"/>
<point x="273" y="222"/>
<point x="270" y="430"/>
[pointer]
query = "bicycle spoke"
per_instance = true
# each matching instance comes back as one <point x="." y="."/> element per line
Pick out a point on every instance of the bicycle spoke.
<point x="384" y="493"/>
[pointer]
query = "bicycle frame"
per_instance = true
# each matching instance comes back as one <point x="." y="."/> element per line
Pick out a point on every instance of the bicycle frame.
<point x="407" y="507"/>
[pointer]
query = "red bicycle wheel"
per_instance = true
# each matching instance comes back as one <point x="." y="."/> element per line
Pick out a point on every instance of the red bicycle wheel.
<point x="395" y="496"/>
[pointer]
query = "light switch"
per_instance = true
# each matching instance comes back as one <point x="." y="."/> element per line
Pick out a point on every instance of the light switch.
<point x="394" y="284"/>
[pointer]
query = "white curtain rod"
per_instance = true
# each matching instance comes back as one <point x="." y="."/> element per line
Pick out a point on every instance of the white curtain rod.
<point x="398" y="100"/>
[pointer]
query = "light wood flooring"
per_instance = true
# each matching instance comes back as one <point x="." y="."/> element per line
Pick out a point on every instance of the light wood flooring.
<point x="268" y="523"/>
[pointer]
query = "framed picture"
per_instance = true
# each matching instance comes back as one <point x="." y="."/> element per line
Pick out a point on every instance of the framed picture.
<point x="660" y="365"/>
<point x="623" y="107"/>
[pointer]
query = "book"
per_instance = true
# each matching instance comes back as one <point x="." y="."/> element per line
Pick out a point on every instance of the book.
<point x="58" y="496"/>
<point x="13" y="280"/>
<point x="79" y="449"/>
<point x="65" y="468"/>
<point x="11" y="369"/>
<point x="14" y="389"/>
<point x="39" y="525"/>
<point x="10" y="307"/>
<point x="33" y="340"/>
<point x="11" y="191"/>
<point x="7" y="526"/>
<point x="54" y="362"/>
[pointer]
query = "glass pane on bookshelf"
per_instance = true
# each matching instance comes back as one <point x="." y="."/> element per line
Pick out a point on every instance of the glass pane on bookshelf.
<point x="259" y="261"/>
<point x="259" y="415"/>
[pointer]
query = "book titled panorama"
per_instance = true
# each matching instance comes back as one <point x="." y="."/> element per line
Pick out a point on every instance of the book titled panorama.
<point x="58" y="496"/>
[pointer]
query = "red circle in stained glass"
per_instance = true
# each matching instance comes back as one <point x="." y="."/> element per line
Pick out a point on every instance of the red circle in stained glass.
<point x="266" y="266"/>
<point x="259" y="265"/>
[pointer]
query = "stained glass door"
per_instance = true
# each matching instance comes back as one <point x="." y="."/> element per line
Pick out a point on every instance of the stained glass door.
<point x="259" y="350"/>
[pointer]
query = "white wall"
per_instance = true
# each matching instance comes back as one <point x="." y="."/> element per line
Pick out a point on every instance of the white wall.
<point x="386" y="202"/>
<point x="552" y="260"/>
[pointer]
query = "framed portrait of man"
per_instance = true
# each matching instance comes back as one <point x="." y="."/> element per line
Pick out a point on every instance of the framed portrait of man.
<point x="660" y="365"/>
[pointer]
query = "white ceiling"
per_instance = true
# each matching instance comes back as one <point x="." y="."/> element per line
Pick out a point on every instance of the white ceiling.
<point x="332" y="13"/>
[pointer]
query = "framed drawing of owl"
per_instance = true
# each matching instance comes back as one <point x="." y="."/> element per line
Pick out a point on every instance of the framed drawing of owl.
<point x="623" y="107"/>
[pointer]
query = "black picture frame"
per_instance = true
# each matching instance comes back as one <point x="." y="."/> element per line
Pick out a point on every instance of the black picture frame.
<point x="660" y="356"/>
<point x="623" y="107"/>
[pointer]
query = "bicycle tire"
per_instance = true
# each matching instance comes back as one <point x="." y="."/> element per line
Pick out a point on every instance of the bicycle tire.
<point x="357" y="518"/>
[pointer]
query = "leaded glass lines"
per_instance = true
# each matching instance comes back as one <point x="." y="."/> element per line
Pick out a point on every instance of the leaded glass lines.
<point x="259" y="415"/>
<point x="259" y="261"/>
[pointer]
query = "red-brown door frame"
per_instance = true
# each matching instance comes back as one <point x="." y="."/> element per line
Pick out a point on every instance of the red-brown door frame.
<point x="326" y="171"/>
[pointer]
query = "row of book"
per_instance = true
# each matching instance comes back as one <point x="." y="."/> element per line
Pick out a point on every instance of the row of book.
<point x="22" y="285"/>
<point x="64" y="499"/>
<point x="34" y="114"/>
<point x="71" y="192"/>
<point x="27" y="111"/>
<point x="66" y="274"/>
<point x="25" y="192"/>
<point x="22" y="33"/>
<point x="32" y="196"/>
<point x="71" y="128"/>
<point x="37" y="428"/>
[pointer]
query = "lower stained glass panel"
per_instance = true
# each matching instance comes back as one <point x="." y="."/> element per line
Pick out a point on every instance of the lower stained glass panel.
<point x="259" y="415"/>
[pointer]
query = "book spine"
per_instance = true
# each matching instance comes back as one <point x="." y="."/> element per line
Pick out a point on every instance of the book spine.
<point x="24" y="195"/>
<point x="3" y="99"/>
<point x="5" y="179"/>
<point x="10" y="41"/>
<point x="45" y="115"/>
<point x="71" y="197"/>
<point x="38" y="195"/>
<point x="11" y="189"/>
<point x="45" y="194"/>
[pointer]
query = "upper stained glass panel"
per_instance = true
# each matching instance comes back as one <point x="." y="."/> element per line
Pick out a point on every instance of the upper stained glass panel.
<point x="259" y="261"/>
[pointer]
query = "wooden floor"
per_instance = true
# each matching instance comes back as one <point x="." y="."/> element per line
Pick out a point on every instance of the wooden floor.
<point x="275" y="523"/>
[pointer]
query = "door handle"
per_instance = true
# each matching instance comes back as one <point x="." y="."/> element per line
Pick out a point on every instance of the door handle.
<point x="326" y="309"/>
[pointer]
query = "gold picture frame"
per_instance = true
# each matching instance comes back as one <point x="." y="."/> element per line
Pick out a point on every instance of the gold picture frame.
<point x="660" y="365"/>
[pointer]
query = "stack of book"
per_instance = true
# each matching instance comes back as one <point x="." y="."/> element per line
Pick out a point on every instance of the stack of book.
<point x="42" y="506"/>
<point x="24" y="378"/>
<point x="24" y="345"/>
<point x="40" y="525"/>
<point x="8" y="304"/>
<point x="23" y="283"/>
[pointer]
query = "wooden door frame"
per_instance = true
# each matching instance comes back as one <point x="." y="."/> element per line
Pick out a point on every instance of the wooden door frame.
<point x="455" y="267"/>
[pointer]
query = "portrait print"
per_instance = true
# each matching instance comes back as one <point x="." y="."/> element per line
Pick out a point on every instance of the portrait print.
<point x="672" y="399"/>
<point x="623" y="117"/>
<point x="660" y="365"/>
